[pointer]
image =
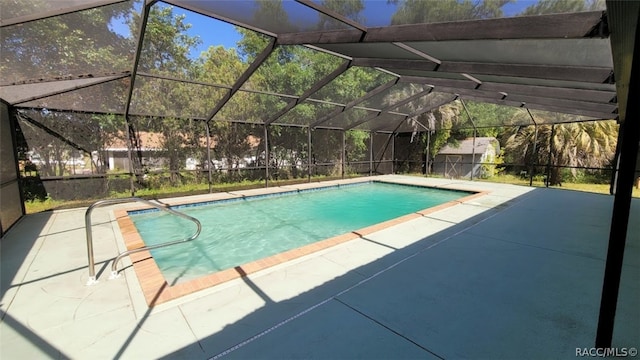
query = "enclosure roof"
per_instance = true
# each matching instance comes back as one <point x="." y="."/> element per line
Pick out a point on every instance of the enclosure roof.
<point x="558" y="62"/>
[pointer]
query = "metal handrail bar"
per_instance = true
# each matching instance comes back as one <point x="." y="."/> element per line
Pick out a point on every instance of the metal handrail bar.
<point x="114" y="272"/>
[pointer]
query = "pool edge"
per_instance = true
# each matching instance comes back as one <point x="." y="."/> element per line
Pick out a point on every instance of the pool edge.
<point x="157" y="291"/>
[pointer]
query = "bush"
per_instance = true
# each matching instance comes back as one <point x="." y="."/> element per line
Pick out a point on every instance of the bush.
<point x="33" y="189"/>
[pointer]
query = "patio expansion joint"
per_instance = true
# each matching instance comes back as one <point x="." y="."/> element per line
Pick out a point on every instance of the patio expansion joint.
<point x="197" y="340"/>
<point x="387" y="327"/>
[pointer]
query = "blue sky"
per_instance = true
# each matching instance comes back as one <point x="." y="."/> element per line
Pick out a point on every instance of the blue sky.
<point x="211" y="32"/>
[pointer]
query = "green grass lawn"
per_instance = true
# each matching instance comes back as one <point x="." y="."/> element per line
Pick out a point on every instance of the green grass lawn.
<point x="594" y="188"/>
<point x="37" y="206"/>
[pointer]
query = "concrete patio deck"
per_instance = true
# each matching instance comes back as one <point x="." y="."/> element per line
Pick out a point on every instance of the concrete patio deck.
<point x="516" y="273"/>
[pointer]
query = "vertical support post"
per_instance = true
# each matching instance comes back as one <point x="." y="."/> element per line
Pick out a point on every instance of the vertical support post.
<point x="393" y="152"/>
<point x="534" y="153"/>
<point x="475" y="131"/>
<point x="131" y="132"/>
<point x="344" y="152"/>
<point x="89" y="236"/>
<point x="310" y="156"/>
<point x="427" y="160"/>
<point x="208" y="132"/>
<point x="473" y="154"/>
<point x="266" y="156"/>
<point x="136" y="60"/>
<point x="616" y="161"/>
<point x="619" y="225"/>
<point x="553" y="131"/>
<point x="13" y="126"/>
<point x="629" y="147"/>
<point x="370" y="153"/>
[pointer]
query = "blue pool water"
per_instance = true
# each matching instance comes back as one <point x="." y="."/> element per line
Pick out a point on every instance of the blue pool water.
<point x="244" y="230"/>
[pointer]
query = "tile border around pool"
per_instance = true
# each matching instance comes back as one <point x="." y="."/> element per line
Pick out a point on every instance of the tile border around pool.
<point x="156" y="290"/>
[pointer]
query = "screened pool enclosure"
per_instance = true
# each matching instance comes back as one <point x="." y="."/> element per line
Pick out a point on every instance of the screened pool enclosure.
<point x="116" y="96"/>
<point x="111" y="96"/>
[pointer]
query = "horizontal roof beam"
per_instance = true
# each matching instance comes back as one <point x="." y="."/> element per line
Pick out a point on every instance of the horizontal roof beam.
<point x="220" y="86"/>
<point x="355" y="102"/>
<point x="57" y="12"/>
<point x="389" y="108"/>
<point x="563" y="103"/>
<point x="386" y="126"/>
<point x="52" y="132"/>
<point x="171" y="78"/>
<point x="423" y="65"/>
<point x="415" y="114"/>
<point x="203" y="12"/>
<point x="550" y="108"/>
<point x="588" y="95"/>
<point x="567" y="73"/>
<point x="261" y="58"/>
<point x="320" y="37"/>
<point x="65" y="90"/>
<point x="42" y="80"/>
<point x="598" y="96"/>
<point x="432" y="106"/>
<point x="556" y="26"/>
<point x="565" y="26"/>
<point x="519" y="98"/>
<point x="317" y="86"/>
<point x="333" y="14"/>
<point x="454" y="83"/>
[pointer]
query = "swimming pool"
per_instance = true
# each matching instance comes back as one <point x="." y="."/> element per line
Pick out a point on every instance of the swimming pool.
<point x="241" y="231"/>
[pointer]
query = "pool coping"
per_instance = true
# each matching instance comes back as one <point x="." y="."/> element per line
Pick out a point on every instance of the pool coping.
<point x="156" y="290"/>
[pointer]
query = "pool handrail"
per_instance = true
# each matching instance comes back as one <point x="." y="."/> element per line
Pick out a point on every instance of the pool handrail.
<point x="114" y="272"/>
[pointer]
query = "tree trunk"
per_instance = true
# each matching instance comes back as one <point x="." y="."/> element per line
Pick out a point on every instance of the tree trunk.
<point x="556" y="177"/>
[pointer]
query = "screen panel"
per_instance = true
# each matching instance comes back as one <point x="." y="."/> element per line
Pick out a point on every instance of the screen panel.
<point x="79" y="43"/>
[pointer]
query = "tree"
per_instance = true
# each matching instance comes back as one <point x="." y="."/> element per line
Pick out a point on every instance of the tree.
<point x="58" y="137"/>
<point x="441" y="121"/>
<point x="288" y="148"/>
<point x="233" y="143"/>
<point x="487" y="118"/>
<point x="445" y="120"/>
<point x="165" y="50"/>
<point x="356" y="144"/>
<point x="421" y="11"/>
<point x="166" y="45"/>
<point x="577" y="144"/>
<point x="290" y="70"/>
<point x="563" y="6"/>
<point x="352" y="9"/>
<point x="273" y="12"/>
<point x="73" y="44"/>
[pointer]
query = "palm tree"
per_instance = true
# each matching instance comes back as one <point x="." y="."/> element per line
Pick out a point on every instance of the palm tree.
<point x="573" y="144"/>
